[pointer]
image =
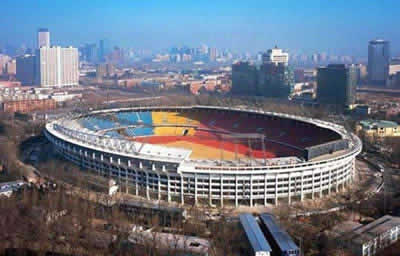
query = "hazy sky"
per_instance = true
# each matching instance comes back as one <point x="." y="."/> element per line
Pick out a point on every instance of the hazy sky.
<point x="333" y="26"/>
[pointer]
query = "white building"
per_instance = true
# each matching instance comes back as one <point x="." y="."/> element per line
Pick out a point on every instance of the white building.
<point x="368" y="240"/>
<point x="378" y="61"/>
<point x="275" y="56"/>
<point x="43" y="38"/>
<point x="57" y="67"/>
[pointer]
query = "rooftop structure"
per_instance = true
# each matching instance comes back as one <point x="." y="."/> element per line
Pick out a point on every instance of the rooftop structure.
<point x="255" y="236"/>
<point x="367" y="240"/>
<point x="279" y="238"/>
<point x="378" y="128"/>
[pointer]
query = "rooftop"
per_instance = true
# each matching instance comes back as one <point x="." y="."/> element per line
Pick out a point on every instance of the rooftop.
<point x="374" y="124"/>
<point x="366" y="233"/>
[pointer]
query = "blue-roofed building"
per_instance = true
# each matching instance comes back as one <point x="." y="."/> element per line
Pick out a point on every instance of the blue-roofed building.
<point x="280" y="240"/>
<point x="259" y="245"/>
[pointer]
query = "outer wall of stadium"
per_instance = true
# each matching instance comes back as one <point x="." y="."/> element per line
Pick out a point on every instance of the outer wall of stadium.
<point x="163" y="173"/>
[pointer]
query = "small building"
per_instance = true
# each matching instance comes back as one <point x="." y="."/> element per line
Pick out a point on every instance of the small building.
<point x="368" y="240"/>
<point x="279" y="239"/>
<point x="378" y="128"/>
<point x="259" y="245"/>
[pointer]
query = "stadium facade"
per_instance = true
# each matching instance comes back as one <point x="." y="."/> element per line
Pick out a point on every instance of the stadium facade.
<point x="291" y="157"/>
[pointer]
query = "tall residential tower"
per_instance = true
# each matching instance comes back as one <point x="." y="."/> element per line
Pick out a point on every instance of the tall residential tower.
<point x="43" y="38"/>
<point x="57" y="66"/>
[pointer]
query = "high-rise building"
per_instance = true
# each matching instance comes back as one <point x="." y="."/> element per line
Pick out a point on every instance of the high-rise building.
<point x="26" y="69"/>
<point x="43" y="38"/>
<point x="336" y="84"/>
<point x="275" y="56"/>
<point x="3" y="61"/>
<point x="275" y="79"/>
<point x="90" y="53"/>
<point x="11" y="68"/>
<point x="102" y="51"/>
<point x="244" y="79"/>
<point x="57" y="66"/>
<point x="212" y="54"/>
<point x="378" y="61"/>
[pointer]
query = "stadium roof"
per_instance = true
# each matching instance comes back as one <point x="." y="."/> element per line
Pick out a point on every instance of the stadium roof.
<point x="254" y="233"/>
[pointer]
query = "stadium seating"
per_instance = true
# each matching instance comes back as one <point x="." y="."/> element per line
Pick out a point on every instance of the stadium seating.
<point x="210" y="128"/>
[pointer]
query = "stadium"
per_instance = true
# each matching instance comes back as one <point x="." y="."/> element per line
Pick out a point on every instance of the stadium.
<point x="213" y="155"/>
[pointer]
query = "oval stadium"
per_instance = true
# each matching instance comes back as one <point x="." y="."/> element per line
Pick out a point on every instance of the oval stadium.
<point x="210" y="155"/>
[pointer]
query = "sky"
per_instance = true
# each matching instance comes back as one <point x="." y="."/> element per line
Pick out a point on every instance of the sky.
<point x="334" y="26"/>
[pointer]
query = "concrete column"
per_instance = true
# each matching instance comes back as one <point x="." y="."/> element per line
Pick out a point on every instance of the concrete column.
<point x="276" y="189"/>
<point x="222" y="190"/>
<point x="182" y="192"/>
<point x="330" y="181"/>
<point x="337" y="181"/>
<point x="136" y="183"/>
<point x="302" y="187"/>
<point x="159" y="187"/>
<point x="251" y="190"/>
<point x="168" y="188"/>
<point x="147" y="186"/>
<point x="289" y="190"/>
<point x="265" y="190"/>
<point x="320" y="184"/>
<point x="236" y="192"/>
<point x="195" y="188"/>
<point x="126" y="180"/>
<point x="313" y="184"/>
<point x="210" y="190"/>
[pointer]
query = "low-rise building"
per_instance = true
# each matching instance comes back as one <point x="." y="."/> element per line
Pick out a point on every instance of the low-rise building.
<point x="368" y="240"/>
<point x="378" y="128"/>
<point x="28" y="105"/>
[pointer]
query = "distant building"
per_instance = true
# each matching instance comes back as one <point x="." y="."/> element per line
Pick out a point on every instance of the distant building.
<point x="275" y="79"/>
<point x="275" y="56"/>
<point x="3" y="61"/>
<point x="212" y="54"/>
<point x="57" y="67"/>
<point x="102" y="51"/>
<point x="378" y="128"/>
<point x="299" y="75"/>
<point x="104" y="70"/>
<point x="29" y="105"/>
<point x="26" y="69"/>
<point x="11" y="68"/>
<point x="90" y="53"/>
<point x="43" y="38"/>
<point x="378" y="61"/>
<point x="336" y="84"/>
<point x="244" y="79"/>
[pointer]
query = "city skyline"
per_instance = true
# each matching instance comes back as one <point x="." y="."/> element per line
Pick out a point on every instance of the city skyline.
<point x="314" y="26"/>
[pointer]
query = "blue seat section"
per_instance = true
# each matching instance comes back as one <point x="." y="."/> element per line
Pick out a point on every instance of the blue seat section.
<point x="129" y="118"/>
<point x="96" y="123"/>
<point x="132" y="118"/>
<point x="114" y="134"/>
